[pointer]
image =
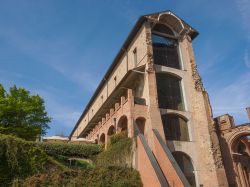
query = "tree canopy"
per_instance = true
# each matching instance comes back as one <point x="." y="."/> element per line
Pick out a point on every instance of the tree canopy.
<point x="22" y="114"/>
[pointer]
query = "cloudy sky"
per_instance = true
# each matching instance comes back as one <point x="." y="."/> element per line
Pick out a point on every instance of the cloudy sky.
<point x="60" y="49"/>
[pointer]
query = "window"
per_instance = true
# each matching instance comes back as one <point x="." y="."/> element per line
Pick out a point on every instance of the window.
<point x="115" y="80"/>
<point x="135" y="57"/>
<point x="169" y="91"/>
<point x="165" y="47"/>
<point x="186" y="166"/>
<point x="175" y="127"/>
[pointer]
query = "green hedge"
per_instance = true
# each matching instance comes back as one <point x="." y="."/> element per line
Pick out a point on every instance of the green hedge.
<point x="19" y="158"/>
<point x="95" y="177"/>
<point x="71" y="150"/>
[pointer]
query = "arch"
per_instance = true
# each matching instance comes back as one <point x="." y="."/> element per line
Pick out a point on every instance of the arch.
<point x="162" y="28"/>
<point x="169" y="91"/>
<point x="140" y="121"/>
<point x="239" y="132"/>
<point x="243" y="146"/>
<point x="239" y="147"/>
<point x="173" y="21"/>
<point x="96" y="141"/>
<point x="175" y="127"/>
<point x="178" y="114"/>
<point x="186" y="165"/>
<point x="111" y="131"/>
<point x="102" y="139"/>
<point x="122" y="124"/>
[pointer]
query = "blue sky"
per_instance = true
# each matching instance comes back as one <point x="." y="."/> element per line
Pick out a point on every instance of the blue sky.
<point x="60" y="49"/>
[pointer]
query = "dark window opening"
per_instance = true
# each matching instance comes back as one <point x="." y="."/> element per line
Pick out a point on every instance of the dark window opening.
<point x="135" y="57"/>
<point x="163" y="29"/>
<point x="139" y="101"/>
<point x="169" y="92"/>
<point x="175" y="127"/>
<point x="165" y="51"/>
<point x="186" y="166"/>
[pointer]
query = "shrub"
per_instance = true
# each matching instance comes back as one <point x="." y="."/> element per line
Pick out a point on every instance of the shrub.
<point x="118" y="153"/>
<point x="19" y="158"/>
<point x="97" y="177"/>
<point x="70" y="150"/>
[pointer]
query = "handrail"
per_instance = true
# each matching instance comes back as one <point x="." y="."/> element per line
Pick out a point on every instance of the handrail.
<point x="171" y="158"/>
<point x="163" y="181"/>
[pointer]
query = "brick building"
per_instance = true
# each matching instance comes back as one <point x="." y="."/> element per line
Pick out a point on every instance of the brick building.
<point x="153" y="91"/>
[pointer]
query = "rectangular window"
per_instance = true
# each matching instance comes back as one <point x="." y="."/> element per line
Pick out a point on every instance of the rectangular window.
<point x="169" y="92"/>
<point x="165" y="51"/>
<point x="135" y="57"/>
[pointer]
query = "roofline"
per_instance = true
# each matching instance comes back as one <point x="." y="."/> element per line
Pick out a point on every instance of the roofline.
<point x="125" y="45"/>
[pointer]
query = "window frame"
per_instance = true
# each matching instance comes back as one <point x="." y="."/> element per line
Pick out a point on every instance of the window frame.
<point x="175" y="115"/>
<point x="175" y="37"/>
<point x="180" y="79"/>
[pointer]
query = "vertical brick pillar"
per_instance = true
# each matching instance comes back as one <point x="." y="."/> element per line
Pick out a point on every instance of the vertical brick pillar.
<point x="154" y="112"/>
<point x="130" y="116"/>
<point x="122" y="100"/>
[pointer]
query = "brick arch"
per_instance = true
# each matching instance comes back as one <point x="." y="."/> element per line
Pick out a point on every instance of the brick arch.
<point x="110" y="132"/>
<point x="122" y="124"/>
<point x="141" y="121"/>
<point x="236" y="134"/>
<point x="102" y="139"/>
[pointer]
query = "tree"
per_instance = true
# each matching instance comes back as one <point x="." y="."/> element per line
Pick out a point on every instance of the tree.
<point x="22" y="114"/>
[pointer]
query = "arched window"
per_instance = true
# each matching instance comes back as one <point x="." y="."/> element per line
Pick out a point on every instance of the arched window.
<point x="111" y="131"/>
<point x="169" y="91"/>
<point x="123" y="124"/>
<point x="102" y="139"/>
<point x="175" y="127"/>
<point x="242" y="146"/>
<point x="186" y="166"/>
<point x="165" y="47"/>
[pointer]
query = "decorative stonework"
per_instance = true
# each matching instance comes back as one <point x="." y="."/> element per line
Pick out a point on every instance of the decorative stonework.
<point x="149" y="48"/>
<point x="196" y="76"/>
<point x="237" y="132"/>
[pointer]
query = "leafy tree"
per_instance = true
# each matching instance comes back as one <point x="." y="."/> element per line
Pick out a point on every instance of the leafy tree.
<point x="22" y="114"/>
